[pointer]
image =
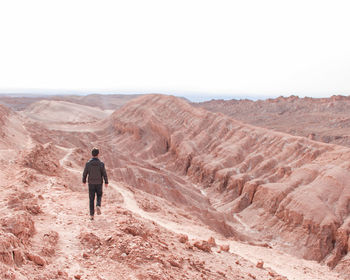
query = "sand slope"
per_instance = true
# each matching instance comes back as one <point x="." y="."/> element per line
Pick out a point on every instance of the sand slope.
<point x="63" y="112"/>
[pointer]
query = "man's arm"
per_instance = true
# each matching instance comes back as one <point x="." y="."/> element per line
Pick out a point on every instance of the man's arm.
<point x="85" y="173"/>
<point x="104" y="174"/>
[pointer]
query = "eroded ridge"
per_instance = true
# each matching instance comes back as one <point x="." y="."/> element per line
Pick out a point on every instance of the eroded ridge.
<point x="194" y="195"/>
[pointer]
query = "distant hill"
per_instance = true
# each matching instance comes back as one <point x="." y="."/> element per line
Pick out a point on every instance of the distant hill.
<point x="102" y="101"/>
<point x="63" y="112"/>
<point x="321" y="119"/>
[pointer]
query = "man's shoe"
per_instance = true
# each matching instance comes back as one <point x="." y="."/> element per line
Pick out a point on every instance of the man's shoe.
<point x="98" y="210"/>
<point x="91" y="218"/>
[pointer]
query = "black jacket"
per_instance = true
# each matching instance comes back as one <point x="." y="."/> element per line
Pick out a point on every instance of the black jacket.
<point x="96" y="171"/>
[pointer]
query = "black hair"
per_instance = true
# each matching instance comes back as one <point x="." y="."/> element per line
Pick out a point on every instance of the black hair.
<point x="95" y="152"/>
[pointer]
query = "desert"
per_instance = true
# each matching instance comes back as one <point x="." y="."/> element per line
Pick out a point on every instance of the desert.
<point x="193" y="194"/>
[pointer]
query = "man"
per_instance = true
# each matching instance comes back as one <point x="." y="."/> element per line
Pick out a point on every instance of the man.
<point x="97" y="172"/>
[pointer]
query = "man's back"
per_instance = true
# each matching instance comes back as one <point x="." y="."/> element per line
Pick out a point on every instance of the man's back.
<point x="96" y="171"/>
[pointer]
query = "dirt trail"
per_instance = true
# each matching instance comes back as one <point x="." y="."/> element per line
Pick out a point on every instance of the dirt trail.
<point x="64" y="208"/>
<point x="64" y="160"/>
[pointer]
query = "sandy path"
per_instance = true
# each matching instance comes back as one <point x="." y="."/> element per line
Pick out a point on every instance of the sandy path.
<point x="63" y="215"/>
<point x="63" y="161"/>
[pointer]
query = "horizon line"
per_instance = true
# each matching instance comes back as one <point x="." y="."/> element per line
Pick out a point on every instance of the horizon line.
<point x="193" y="96"/>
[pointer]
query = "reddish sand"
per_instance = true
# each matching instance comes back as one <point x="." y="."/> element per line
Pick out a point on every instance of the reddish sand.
<point x="193" y="195"/>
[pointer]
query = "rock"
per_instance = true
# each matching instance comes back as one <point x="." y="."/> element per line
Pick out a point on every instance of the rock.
<point x="211" y="242"/>
<point x="183" y="238"/>
<point x="33" y="208"/>
<point x="123" y="255"/>
<point x="340" y="248"/>
<point x="18" y="256"/>
<point x="86" y="255"/>
<point x="51" y="237"/>
<point x="90" y="240"/>
<point x="8" y="244"/>
<point x="225" y="248"/>
<point x="62" y="274"/>
<point x="174" y="262"/>
<point x="203" y="245"/>
<point x="135" y="230"/>
<point x="43" y="159"/>
<point x="189" y="246"/>
<point x="260" y="264"/>
<point x="36" y="259"/>
<point x="21" y="225"/>
<point x="251" y="276"/>
<point x="221" y="273"/>
<point x="77" y="276"/>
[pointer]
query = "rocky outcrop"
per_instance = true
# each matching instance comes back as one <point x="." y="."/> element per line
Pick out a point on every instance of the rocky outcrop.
<point x="25" y="201"/>
<point x="203" y="245"/>
<point x="320" y="119"/>
<point x="9" y="249"/>
<point x="36" y="259"/>
<point x="20" y="225"/>
<point x="268" y="177"/>
<point x="43" y="158"/>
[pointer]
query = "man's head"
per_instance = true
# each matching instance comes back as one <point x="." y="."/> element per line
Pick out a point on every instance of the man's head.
<point x="95" y="152"/>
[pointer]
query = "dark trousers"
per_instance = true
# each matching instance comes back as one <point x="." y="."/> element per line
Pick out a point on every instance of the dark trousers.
<point x="95" y="189"/>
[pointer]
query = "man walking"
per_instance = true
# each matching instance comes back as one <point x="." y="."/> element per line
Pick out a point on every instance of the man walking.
<point x="97" y="172"/>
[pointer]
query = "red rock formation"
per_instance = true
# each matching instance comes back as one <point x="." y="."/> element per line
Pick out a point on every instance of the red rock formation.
<point x="183" y="238"/>
<point x="203" y="245"/>
<point x="8" y="244"/>
<point x="205" y="174"/>
<point x="260" y="264"/>
<point x="43" y="159"/>
<point x="269" y="177"/>
<point x="321" y="119"/>
<point x="36" y="259"/>
<point x="20" y="224"/>
<point x="212" y="242"/>
<point x="225" y="248"/>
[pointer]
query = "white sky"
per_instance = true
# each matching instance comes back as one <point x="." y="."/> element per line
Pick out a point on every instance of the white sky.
<point x="269" y="48"/>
